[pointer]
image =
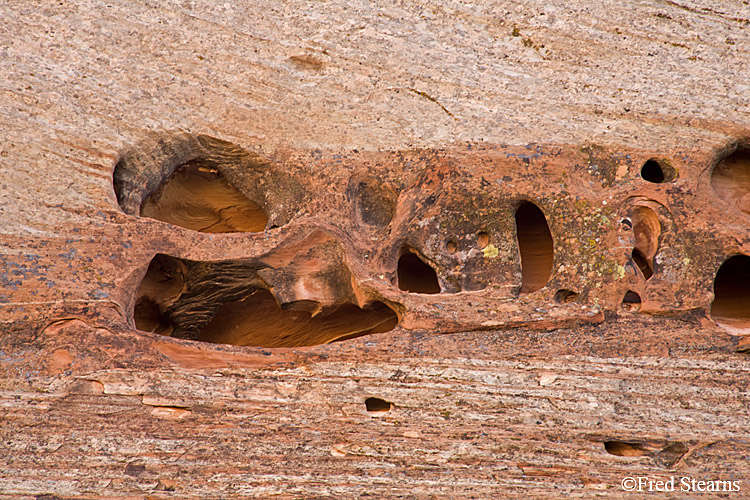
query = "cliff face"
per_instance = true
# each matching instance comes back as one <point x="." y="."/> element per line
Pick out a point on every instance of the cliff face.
<point x="407" y="251"/>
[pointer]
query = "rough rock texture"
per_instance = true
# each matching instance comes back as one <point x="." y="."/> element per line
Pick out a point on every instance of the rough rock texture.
<point x="522" y="227"/>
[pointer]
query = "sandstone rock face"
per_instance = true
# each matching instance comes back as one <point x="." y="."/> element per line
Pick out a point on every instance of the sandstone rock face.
<point x="427" y="250"/>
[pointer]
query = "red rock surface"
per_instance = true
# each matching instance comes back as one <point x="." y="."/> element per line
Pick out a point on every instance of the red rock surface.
<point x="523" y="229"/>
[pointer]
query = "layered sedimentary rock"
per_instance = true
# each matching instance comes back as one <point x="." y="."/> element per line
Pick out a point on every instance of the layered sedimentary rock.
<point x="405" y="251"/>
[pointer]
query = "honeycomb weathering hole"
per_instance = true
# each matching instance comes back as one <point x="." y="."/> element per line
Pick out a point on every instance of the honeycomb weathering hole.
<point x="226" y="303"/>
<point x="657" y="172"/>
<point x="535" y="246"/>
<point x="631" y="301"/>
<point x="731" y="305"/>
<point x="374" y="203"/>
<point x="623" y="449"/>
<point x="730" y="179"/>
<point x="565" y="296"/>
<point x="198" y="197"/>
<point x="647" y="230"/>
<point x="483" y="239"/>
<point x="416" y="276"/>
<point x="377" y="405"/>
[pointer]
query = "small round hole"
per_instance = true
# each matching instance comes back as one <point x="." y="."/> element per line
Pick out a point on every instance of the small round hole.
<point x="451" y="247"/>
<point x="565" y="296"/>
<point x="377" y="405"/>
<point x="483" y="239"/>
<point x="657" y="172"/>
<point x="631" y="301"/>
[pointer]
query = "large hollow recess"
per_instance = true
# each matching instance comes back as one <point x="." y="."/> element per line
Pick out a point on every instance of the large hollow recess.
<point x="257" y="320"/>
<point x="565" y="296"/>
<point x="731" y="305"/>
<point x="198" y="197"/>
<point x="416" y="276"/>
<point x="730" y="179"/>
<point x="226" y="302"/>
<point x="535" y="246"/>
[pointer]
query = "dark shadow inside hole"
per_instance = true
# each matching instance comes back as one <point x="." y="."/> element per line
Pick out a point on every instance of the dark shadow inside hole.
<point x="164" y="279"/>
<point x="148" y="317"/>
<point x="631" y="298"/>
<point x="731" y="305"/>
<point x="631" y="301"/>
<point x="652" y="172"/>
<point x="415" y="276"/>
<point x="623" y="449"/>
<point x="198" y="197"/>
<point x="535" y="246"/>
<point x="730" y="179"/>
<point x="565" y="296"/>
<point x="642" y="263"/>
<point x="377" y="405"/>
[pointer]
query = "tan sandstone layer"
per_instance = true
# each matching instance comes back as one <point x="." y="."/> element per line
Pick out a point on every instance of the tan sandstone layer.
<point x="523" y="227"/>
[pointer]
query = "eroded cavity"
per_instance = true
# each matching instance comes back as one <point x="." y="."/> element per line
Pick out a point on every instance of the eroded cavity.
<point x="198" y="197"/>
<point x="535" y="247"/>
<point x="415" y="275"/>
<point x="731" y="305"/>
<point x="229" y="302"/>
<point x="730" y="179"/>
<point x="647" y="230"/>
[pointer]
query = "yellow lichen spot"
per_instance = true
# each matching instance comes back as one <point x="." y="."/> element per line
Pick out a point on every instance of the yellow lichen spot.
<point x="619" y="272"/>
<point x="490" y="251"/>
